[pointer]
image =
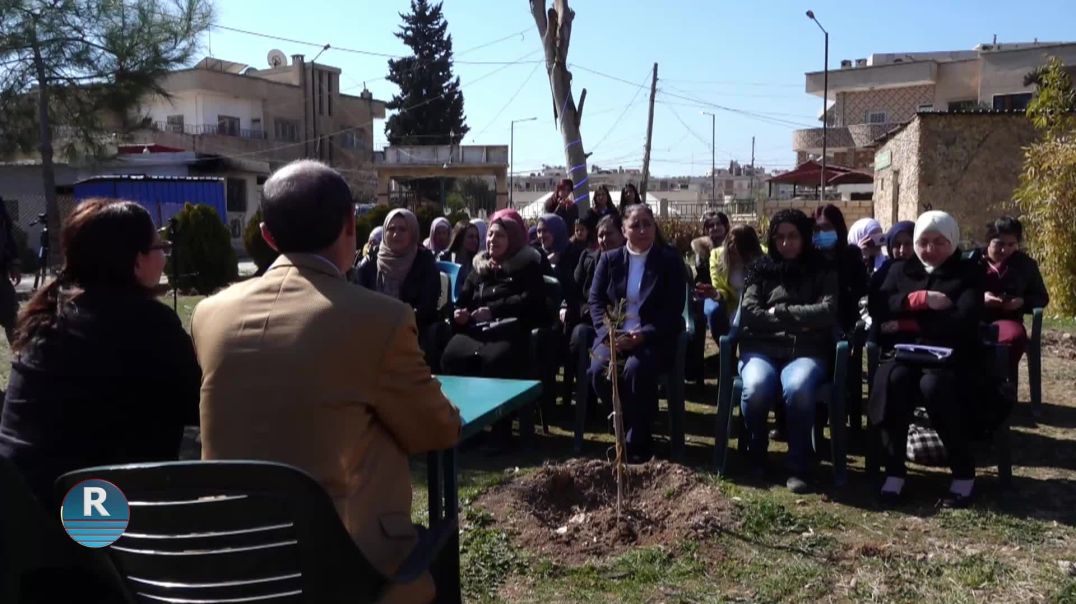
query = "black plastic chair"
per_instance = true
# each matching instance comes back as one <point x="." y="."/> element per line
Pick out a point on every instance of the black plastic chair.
<point x="545" y="344"/>
<point x="241" y="531"/>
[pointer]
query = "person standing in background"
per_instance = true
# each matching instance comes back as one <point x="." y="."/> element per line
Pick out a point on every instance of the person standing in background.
<point x="10" y="275"/>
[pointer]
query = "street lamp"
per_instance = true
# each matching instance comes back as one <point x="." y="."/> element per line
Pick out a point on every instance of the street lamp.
<point x="825" y="104"/>
<point x="512" y="158"/>
<point x="713" y="157"/>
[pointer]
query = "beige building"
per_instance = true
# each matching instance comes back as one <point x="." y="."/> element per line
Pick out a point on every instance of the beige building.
<point x="270" y="116"/>
<point x="870" y="97"/>
<point x="967" y="164"/>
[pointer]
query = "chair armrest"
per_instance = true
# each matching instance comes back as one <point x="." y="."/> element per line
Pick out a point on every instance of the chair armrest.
<point x="840" y="364"/>
<point x="727" y="360"/>
<point x="1036" y="325"/>
<point x="430" y="543"/>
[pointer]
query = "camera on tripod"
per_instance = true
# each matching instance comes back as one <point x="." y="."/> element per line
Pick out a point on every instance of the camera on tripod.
<point x="39" y="220"/>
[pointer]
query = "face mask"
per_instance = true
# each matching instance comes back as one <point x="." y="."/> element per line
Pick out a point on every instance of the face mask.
<point x="825" y="240"/>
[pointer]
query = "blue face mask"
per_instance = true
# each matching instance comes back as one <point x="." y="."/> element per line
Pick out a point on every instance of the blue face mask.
<point x="825" y="240"/>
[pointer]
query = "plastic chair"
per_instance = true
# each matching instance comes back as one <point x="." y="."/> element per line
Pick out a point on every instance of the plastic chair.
<point x="832" y="394"/>
<point x="453" y="271"/>
<point x="1034" y="361"/>
<point x="544" y="342"/>
<point x="672" y="381"/>
<point x="241" y="531"/>
<point x="1001" y="434"/>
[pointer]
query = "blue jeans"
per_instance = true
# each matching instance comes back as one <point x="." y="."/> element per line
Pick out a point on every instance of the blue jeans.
<point x="797" y="380"/>
<point x="716" y="317"/>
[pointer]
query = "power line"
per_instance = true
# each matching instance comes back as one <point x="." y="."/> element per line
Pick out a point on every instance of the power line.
<point x="509" y="102"/>
<point x="616" y="122"/>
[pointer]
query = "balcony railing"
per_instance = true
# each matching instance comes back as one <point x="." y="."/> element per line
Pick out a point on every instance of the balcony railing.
<point x="426" y="155"/>
<point x="215" y="129"/>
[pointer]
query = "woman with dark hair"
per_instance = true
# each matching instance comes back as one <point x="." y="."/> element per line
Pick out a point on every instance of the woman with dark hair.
<point x="585" y="236"/>
<point x="464" y="247"/>
<point x="406" y="271"/>
<point x="601" y="206"/>
<point x="728" y="268"/>
<point x="716" y="226"/>
<point x="501" y="301"/>
<point x="650" y="279"/>
<point x="787" y="317"/>
<point x="629" y="196"/>
<point x="562" y="203"/>
<point x="934" y="298"/>
<point x="1014" y="285"/>
<point x="830" y="236"/>
<point x="103" y="373"/>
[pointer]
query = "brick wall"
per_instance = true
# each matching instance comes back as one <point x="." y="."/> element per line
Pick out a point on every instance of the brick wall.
<point x="896" y="187"/>
<point x="899" y="104"/>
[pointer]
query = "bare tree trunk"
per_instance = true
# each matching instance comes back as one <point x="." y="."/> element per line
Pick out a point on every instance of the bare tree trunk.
<point x="613" y="320"/>
<point x="555" y="29"/>
<point x="48" y="171"/>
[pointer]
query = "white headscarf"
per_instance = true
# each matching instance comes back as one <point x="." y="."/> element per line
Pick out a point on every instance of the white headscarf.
<point x="482" y="227"/>
<point x="863" y="228"/>
<point x="438" y="223"/>
<point x="939" y="222"/>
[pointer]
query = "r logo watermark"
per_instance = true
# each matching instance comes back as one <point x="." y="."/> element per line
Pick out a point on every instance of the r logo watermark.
<point x="95" y="513"/>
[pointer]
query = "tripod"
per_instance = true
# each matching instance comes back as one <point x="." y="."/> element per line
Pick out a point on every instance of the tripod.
<point x="42" y="251"/>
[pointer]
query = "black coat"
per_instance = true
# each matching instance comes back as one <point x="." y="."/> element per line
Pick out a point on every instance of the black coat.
<point x="564" y="271"/>
<point x="584" y="278"/>
<point x="853" y="281"/>
<point x="958" y="327"/>
<point x="663" y="294"/>
<point x="114" y="383"/>
<point x="804" y="309"/>
<point x="421" y="288"/>
<point x="1020" y="279"/>
<point x="516" y="289"/>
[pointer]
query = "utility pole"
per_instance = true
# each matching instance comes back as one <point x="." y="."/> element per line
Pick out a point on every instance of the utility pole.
<point x="649" y="136"/>
<point x="751" y="189"/>
<point x="713" y="157"/>
<point x="512" y="158"/>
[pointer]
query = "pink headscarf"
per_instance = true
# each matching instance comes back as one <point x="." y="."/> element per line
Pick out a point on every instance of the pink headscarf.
<point x="509" y="214"/>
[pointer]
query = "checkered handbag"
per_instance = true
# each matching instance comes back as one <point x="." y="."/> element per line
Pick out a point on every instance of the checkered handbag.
<point x="924" y="445"/>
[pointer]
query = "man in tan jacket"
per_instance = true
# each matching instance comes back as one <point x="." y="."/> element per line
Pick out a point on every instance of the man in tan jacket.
<point x="302" y="367"/>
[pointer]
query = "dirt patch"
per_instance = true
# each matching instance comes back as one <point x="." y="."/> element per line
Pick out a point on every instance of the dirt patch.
<point x="568" y="510"/>
<point x="1061" y="345"/>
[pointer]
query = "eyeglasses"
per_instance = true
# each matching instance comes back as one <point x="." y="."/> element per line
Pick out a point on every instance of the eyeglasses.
<point x="164" y="246"/>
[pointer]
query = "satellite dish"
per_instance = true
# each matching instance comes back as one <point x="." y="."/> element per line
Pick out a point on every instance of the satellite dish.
<point x="277" y="58"/>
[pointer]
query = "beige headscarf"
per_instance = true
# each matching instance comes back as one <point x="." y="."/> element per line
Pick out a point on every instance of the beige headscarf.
<point x="392" y="268"/>
<point x="939" y="222"/>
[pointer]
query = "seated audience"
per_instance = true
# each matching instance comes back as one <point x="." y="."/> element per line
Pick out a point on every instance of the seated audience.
<point x="373" y="242"/>
<point x="303" y="368"/>
<point x="898" y="245"/>
<point x="1014" y="285"/>
<point x="501" y="301"/>
<point x="601" y="205"/>
<point x="562" y="203"/>
<point x="649" y="277"/>
<point x="716" y="226"/>
<point x="482" y="226"/>
<point x="934" y="298"/>
<point x="728" y="267"/>
<point x="102" y="373"/>
<point x="629" y="196"/>
<point x="831" y="234"/>
<point x="464" y="247"/>
<point x="610" y="237"/>
<point x="866" y="234"/>
<point x="585" y="237"/>
<point x="787" y="318"/>
<point x="440" y="233"/>
<point x="406" y="272"/>
<point x="563" y="257"/>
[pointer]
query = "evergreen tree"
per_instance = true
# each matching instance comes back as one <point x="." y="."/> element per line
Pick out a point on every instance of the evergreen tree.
<point x="429" y="105"/>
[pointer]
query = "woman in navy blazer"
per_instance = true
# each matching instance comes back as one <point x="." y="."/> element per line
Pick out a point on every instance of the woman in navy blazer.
<point x="650" y="277"/>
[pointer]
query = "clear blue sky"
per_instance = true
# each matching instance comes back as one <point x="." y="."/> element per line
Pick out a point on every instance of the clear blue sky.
<point x="744" y="55"/>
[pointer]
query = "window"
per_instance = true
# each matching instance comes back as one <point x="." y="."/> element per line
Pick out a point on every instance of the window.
<point x="352" y="138"/>
<point x="174" y="124"/>
<point x="256" y="128"/>
<point x="965" y="105"/>
<point x="286" y="130"/>
<point x="227" y="125"/>
<point x="1012" y="102"/>
<point x="924" y="107"/>
<point x="876" y="117"/>
<point x="236" y="189"/>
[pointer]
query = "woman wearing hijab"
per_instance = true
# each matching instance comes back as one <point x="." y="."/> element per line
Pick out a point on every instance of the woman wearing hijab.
<point x="787" y="320"/>
<point x="403" y="270"/>
<point x="562" y="203"/>
<point x="373" y="243"/>
<point x="866" y="234"/>
<point x="482" y="226"/>
<point x="898" y="246"/>
<point x="501" y="301"/>
<point x="650" y="278"/>
<point x="464" y="247"/>
<point x="440" y="234"/>
<point x="934" y="298"/>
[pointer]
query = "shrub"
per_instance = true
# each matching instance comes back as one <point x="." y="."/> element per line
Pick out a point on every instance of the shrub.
<point x="679" y="233"/>
<point x="203" y="247"/>
<point x="259" y="251"/>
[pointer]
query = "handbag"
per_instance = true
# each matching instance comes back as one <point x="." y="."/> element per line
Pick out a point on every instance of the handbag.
<point x="925" y="446"/>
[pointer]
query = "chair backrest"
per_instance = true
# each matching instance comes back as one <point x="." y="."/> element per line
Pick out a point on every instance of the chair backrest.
<point x="446" y="291"/>
<point x="453" y="271"/>
<point x="554" y="295"/>
<point x="231" y="531"/>
<point x="689" y="323"/>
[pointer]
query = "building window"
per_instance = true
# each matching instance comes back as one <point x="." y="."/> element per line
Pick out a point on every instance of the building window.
<point x="924" y="107"/>
<point x="237" y="194"/>
<point x="965" y="105"/>
<point x="352" y="138"/>
<point x="174" y="124"/>
<point x="876" y="117"/>
<point x="256" y="128"/>
<point x="227" y="125"/>
<point x="286" y="130"/>
<point x="1012" y="102"/>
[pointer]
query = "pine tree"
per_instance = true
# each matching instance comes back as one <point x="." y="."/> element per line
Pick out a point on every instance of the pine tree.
<point x="429" y="107"/>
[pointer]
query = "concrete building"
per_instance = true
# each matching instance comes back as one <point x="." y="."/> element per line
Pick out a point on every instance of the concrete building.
<point x="870" y="97"/>
<point x="967" y="164"/>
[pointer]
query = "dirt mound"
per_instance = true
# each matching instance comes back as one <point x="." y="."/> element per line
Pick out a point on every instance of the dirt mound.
<point x="568" y="510"/>
<point x="1059" y="345"/>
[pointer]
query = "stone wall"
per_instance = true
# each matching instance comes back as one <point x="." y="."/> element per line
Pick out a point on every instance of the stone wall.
<point x="965" y="164"/>
<point x="852" y="210"/>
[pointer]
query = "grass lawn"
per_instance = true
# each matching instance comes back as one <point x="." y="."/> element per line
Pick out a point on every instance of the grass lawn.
<point x="833" y="545"/>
